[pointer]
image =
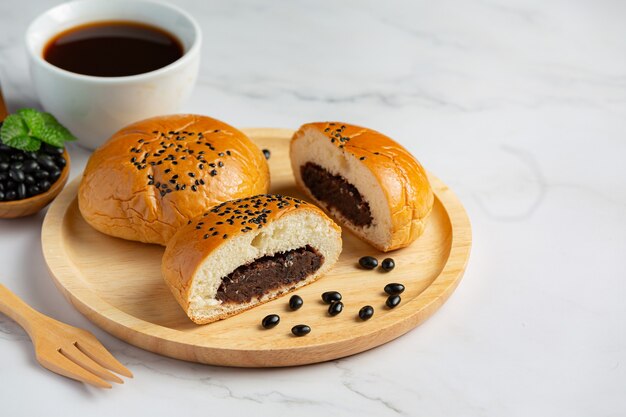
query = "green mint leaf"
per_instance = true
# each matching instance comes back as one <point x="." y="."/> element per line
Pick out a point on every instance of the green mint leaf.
<point x="55" y="132"/>
<point x="14" y="132"/>
<point x="45" y="127"/>
<point x="26" y="143"/>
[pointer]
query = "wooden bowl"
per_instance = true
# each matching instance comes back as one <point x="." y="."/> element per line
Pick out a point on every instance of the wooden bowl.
<point x="31" y="205"/>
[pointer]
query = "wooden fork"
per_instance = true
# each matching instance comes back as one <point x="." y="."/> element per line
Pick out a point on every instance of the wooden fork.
<point x="66" y="350"/>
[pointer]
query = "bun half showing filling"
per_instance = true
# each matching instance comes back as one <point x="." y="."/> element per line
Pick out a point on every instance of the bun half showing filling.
<point x="365" y="180"/>
<point x="246" y="252"/>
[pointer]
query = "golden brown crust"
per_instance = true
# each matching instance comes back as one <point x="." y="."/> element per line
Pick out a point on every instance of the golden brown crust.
<point x="153" y="176"/>
<point x="400" y="175"/>
<point x="194" y="241"/>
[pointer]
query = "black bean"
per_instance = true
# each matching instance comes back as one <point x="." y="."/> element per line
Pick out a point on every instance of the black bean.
<point x="393" y="301"/>
<point x="30" y="166"/>
<point x="4" y="176"/>
<point x="10" y="184"/>
<point x="368" y="262"/>
<point x="4" y="166"/>
<point x="387" y="264"/>
<point x="44" y="185"/>
<point x="46" y="162"/>
<point x="331" y="296"/>
<point x="10" y="195"/>
<point x="51" y="150"/>
<point x="19" y="165"/>
<point x="56" y="173"/>
<point x="366" y="313"/>
<point x="21" y="191"/>
<point x="300" y="330"/>
<point x="394" y="288"/>
<point x="60" y="161"/>
<point x="17" y="157"/>
<point x="41" y="174"/>
<point x="17" y="175"/>
<point x="335" y="308"/>
<point x="295" y="302"/>
<point x="267" y="153"/>
<point x="270" y="321"/>
<point x="29" y="180"/>
<point x="2" y="195"/>
<point x="34" y="190"/>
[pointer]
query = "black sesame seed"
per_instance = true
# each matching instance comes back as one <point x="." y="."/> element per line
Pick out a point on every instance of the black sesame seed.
<point x="213" y="173"/>
<point x="194" y="188"/>
<point x="387" y="264"/>
<point x="295" y="302"/>
<point x="270" y="321"/>
<point x="393" y="301"/>
<point x="394" y="288"/>
<point x="335" y="308"/>
<point x="362" y="158"/>
<point x="225" y="236"/>
<point x="331" y="296"/>
<point x="267" y="153"/>
<point x="368" y="262"/>
<point x="300" y="330"/>
<point x="366" y="313"/>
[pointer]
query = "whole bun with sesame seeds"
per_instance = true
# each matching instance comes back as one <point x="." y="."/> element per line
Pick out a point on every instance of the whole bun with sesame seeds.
<point x="246" y="252"/>
<point x="368" y="182"/>
<point x="151" y="177"/>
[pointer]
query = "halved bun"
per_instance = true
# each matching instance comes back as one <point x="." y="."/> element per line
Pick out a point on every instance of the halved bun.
<point x="246" y="252"/>
<point x="365" y="180"/>
<point x="153" y="176"/>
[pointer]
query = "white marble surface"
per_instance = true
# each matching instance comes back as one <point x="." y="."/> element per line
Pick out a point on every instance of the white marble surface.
<point x="520" y="106"/>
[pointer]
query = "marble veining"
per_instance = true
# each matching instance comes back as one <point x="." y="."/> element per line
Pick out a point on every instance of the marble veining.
<point x="520" y="106"/>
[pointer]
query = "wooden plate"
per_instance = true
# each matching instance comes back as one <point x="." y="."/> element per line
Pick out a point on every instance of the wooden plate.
<point x="117" y="285"/>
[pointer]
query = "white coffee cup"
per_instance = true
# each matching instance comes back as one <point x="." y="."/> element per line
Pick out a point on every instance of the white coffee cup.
<point x="94" y="108"/>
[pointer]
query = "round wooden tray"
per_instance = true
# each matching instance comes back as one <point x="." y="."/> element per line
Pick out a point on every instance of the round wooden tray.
<point x="117" y="285"/>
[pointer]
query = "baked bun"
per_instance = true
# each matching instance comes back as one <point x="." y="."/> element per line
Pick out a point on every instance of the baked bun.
<point x="246" y="252"/>
<point x="365" y="180"/>
<point x="151" y="177"/>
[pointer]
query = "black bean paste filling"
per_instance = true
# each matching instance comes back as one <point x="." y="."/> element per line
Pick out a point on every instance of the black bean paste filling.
<point x="336" y="192"/>
<point x="269" y="273"/>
